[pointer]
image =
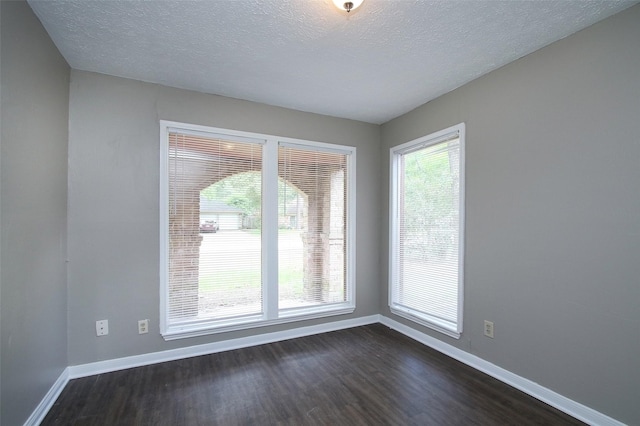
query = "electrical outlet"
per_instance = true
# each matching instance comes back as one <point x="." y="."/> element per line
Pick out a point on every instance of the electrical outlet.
<point x="143" y="326"/>
<point x="488" y="329"/>
<point x="102" y="327"/>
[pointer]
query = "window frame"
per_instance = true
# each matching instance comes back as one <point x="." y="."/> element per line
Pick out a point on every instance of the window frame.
<point x="394" y="227"/>
<point x="271" y="314"/>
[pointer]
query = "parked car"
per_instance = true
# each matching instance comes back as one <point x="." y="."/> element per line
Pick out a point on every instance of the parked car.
<point x="209" y="226"/>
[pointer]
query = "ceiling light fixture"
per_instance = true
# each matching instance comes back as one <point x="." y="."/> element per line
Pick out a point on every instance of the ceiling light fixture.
<point x="347" y="5"/>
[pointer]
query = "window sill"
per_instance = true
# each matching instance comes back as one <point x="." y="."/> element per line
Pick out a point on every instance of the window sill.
<point x="203" y="328"/>
<point x="429" y="322"/>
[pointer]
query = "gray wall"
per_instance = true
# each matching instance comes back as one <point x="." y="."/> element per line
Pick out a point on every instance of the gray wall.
<point x="113" y="203"/>
<point x="35" y="96"/>
<point x="552" y="210"/>
<point x="553" y="213"/>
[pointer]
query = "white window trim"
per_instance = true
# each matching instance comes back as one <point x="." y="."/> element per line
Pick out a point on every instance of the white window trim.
<point x="420" y="318"/>
<point x="271" y="314"/>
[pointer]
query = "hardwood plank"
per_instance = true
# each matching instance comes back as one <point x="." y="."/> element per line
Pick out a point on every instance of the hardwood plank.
<point x="367" y="375"/>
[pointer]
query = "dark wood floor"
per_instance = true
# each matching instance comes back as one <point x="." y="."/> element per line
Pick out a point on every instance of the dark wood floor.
<point x="362" y="376"/>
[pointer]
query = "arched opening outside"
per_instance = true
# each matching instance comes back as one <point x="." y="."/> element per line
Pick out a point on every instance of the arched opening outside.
<point x="221" y="265"/>
<point x="226" y="286"/>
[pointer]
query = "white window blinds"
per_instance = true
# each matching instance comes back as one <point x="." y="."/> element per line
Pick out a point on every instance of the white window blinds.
<point x="312" y="233"/>
<point x="427" y="231"/>
<point x="215" y="198"/>
<point x="254" y="230"/>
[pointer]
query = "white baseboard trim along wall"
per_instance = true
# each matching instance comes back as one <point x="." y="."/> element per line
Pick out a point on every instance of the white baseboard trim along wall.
<point x="93" y="368"/>
<point x="548" y="396"/>
<point x="572" y="408"/>
<point x="49" y="399"/>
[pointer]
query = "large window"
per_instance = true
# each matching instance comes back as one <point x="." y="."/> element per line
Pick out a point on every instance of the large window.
<point x="427" y="230"/>
<point x="255" y="230"/>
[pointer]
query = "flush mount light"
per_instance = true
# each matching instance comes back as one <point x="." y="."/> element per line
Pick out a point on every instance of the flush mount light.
<point x="347" y="5"/>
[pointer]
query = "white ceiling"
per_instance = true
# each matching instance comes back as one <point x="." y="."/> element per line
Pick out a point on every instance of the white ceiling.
<point x="374" y="64"/>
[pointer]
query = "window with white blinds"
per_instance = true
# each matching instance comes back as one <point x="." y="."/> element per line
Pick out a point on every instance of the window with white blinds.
<point x="427" y="230"/>
<point x="312" y="237"/>
<point x="255" y="230"/>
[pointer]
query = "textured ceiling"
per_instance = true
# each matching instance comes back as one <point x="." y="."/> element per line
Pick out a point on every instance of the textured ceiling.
<point x="374" y="64"/>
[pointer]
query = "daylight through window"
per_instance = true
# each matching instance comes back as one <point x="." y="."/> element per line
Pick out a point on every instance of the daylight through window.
<point x="227" y="200"/>
<point x="427" y="231"/>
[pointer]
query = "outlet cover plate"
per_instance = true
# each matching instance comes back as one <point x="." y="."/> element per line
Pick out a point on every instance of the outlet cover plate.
<point x="102" y="327"/>
<point x="488" y="329"/>
<point x="143" y="326"/>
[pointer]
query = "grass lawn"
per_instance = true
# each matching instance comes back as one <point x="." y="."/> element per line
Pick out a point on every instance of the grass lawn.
<point x="230" y="268"/>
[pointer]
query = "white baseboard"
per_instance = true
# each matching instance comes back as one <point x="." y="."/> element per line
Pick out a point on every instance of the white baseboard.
<point x="100" y="367"/>
<point x="574" y="409"/>
<point x="49" y="399"/>
<point x="562" y="403"/>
